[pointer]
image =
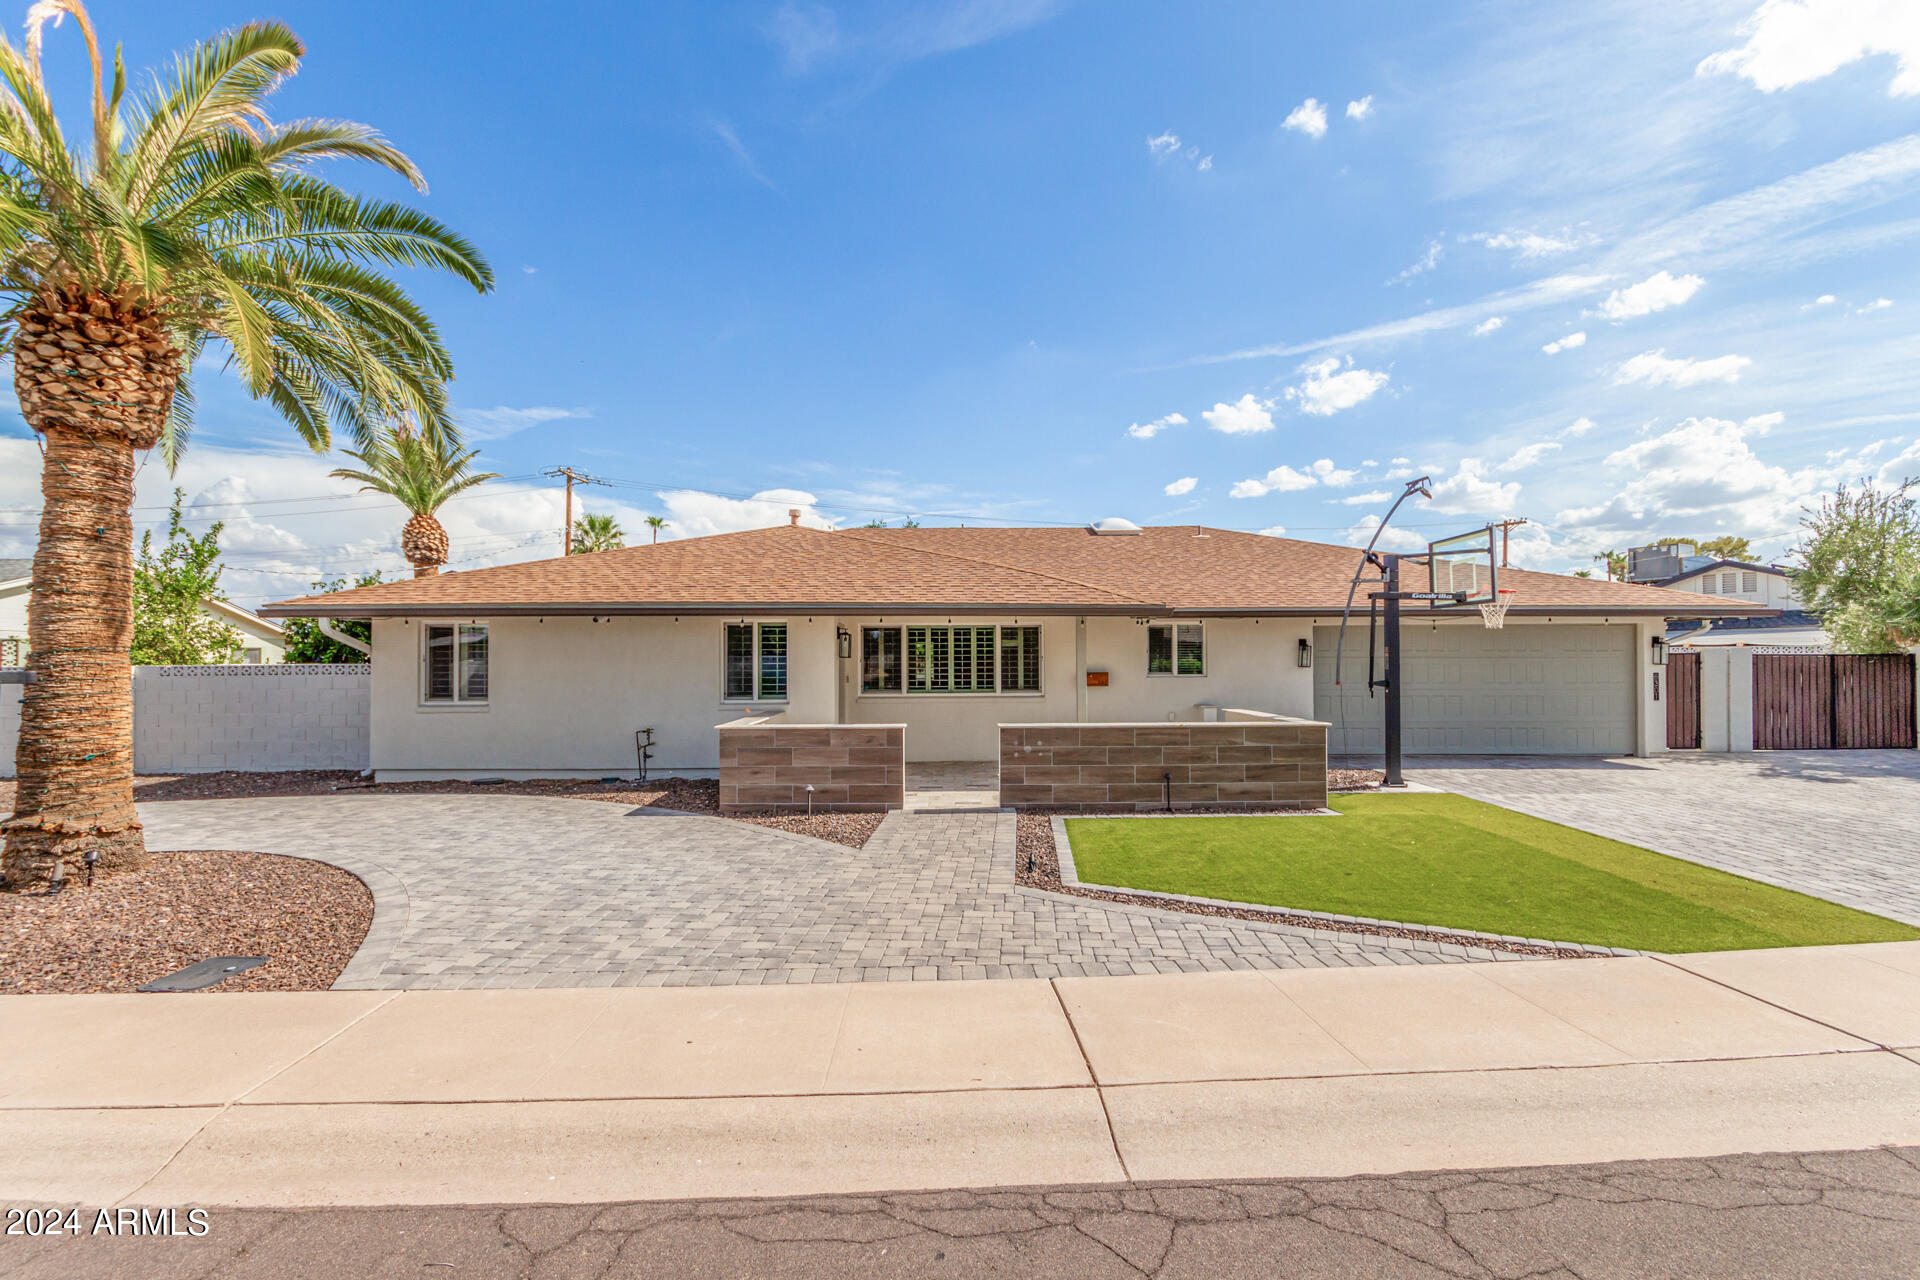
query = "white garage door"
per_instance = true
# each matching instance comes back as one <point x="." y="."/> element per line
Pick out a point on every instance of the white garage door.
<point x="1531" y="689"/>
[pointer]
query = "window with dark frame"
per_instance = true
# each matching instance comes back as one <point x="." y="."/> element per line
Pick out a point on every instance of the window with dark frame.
<point x="454" y="663"/>
<point x="1176" y="649"/>
<point x="756" y="662"/>
<point x="948" y="659"/>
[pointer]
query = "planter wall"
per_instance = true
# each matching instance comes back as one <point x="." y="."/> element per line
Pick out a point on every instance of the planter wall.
<point x="766" y="763"/>
<point x="1253" y="761"/>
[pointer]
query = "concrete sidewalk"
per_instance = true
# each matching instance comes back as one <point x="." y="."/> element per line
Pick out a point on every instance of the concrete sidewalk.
<point x="586" y="1096"/>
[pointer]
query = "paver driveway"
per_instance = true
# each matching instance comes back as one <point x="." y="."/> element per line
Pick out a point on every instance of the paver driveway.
<point x="1841" y="825"/>
<point x="522" y="891"/>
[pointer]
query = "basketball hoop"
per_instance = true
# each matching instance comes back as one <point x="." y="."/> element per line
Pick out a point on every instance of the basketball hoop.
<point x="1494" y="612"/>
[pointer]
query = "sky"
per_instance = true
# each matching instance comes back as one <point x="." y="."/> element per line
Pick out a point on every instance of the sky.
<point x="1627" y="270"/>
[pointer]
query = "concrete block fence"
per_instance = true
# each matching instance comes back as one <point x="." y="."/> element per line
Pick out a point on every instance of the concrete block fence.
<point x="767" y="763"/>
<point x="205" y="719"/>
<point x="1256" y="761"/>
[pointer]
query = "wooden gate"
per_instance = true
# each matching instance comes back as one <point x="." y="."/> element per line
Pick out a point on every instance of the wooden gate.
<point x="1683" y="701"/>
<point x="1822" y="701"/>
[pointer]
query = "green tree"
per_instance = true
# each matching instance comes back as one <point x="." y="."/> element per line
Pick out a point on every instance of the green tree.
<point x="1859" y="567"/>
<point x="1727" y="546"/>
<point x="305" y="642"/>
<point x="420" y="470"/>
<point x="1616" y="562"/>
<point x="596" y="531"/>
<point x="170" y="626"/>
<point x="656" y="523"/>
<point x="183" y="218"/>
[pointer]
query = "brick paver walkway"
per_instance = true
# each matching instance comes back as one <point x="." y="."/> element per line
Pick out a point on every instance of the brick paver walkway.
<point x="523" y="891"/>
<point x="1841" y="825"/>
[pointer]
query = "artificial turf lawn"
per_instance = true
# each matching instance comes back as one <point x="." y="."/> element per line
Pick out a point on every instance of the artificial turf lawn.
<point x="1447" y="860"/>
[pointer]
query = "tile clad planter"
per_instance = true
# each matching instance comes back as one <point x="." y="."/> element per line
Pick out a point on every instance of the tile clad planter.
<point x="768" y="764"/>
<point x="1255" y="763"/>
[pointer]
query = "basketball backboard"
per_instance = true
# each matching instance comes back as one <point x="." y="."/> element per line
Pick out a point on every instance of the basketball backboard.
<point x="1465" y="563"/>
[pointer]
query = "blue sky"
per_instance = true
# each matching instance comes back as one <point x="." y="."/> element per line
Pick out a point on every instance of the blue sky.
<point x="1625" y="269"/>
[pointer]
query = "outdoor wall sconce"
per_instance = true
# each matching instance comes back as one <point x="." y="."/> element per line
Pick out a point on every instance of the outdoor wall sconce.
<point x="846" y="643"/>
<point x="1659" y="651"/>
<point x="1303" y="656"/>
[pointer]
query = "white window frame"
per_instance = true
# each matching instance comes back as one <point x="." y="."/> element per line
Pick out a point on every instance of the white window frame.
<point x="458" y="702"/>
<point x="999" y="641"/>
<point x="758" y="671"/>
<point x="1174" y="639"/>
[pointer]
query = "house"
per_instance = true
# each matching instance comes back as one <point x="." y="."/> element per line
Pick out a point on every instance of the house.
<point x="548" y="668"/>
<point x="1766" y="585"/>
<point x="261" y="640"/>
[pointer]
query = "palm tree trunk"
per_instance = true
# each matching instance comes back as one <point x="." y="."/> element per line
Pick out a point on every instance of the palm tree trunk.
<point x="75" y="759"/>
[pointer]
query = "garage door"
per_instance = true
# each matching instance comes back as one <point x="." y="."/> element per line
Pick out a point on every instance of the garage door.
<point x="1546" y="689"/>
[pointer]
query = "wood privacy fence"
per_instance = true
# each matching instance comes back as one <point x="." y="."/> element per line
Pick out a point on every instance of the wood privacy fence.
<point x="1823" y="701"/>
<point x="1683" y="701"/>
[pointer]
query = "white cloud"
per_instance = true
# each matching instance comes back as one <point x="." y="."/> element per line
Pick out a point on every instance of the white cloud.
<point x="1425" y="263"/>
<point x="1331" y="476"/>
<point x="1792" y="42"/>
<point x="1366" y="499"/>
<point x="1167" y="145"/>
<point x="1394" y="539"/>
<point x="1656" y="369"/>
<point x="743" y="156"/>
<point x="695" y="514"/>
<point x="500" y="421"/>
<point x="1656" y="293"/>
<point x="1529" y="245"/>
<point x="1148" y="430"/>
<point x="1878" y="304"/>
<point x="1310" y="118"/>
<point x="1567" y="343"/>
<point x="1361" y="108"/>
<point x="1761" y="423"/>
<point x="1275" y="531"/>
<point x="1328" y="388"/>
<point x="1703" y="474"/>
<point x="811" y="37"/>
<point x="1489" y="325"/>
<point x="1540" y="293"/>
<point x="1184" y="485"/>
<point x="1824" y="300"/>
<point x="1468" y="490"/>
<point x="1249" y="415"/>
<point x="1282" y="479"/>
<point x="1577" y="428"/>
<point x="1530" y="455"/>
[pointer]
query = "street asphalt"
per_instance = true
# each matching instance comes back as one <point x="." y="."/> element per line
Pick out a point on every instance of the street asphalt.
<point x="1832" y="1215"/>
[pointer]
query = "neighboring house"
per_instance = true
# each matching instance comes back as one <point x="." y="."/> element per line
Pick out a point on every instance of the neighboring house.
<point x="547" y="668"/>
<point x="260" y="640"/>
<point x="1766" y="585"/>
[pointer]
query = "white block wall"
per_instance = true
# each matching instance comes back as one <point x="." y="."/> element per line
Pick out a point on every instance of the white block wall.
<point x="204" y="719"/>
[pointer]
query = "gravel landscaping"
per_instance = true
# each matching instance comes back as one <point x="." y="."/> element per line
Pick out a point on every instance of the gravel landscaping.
<point x="307" y="917"/>
<point x="689" y="795"/>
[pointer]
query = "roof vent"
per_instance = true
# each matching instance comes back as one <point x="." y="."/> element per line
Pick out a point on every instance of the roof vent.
<point x="1113" y="525"/>
<point x="793" y="516"/>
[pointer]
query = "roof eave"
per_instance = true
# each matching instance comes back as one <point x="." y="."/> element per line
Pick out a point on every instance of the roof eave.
<point x="523" y="609"/>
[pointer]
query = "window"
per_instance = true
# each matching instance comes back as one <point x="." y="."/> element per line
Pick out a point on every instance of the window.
<point x="879" y="659"/>
<point x="1706" y="584"/>
<point x="455" y="664"/>
<point x="250" y="657"/>
<point x="1749" y="581"/>
<point x="756" y="661"/>
<point x="949" y="659"/>
<point x="1726" y="584"/>
<point x="1176" y="649"/>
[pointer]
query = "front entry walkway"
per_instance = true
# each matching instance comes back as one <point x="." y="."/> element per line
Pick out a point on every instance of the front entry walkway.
<point x="524" y="891"/>
<point x="1841" y="825"/>
<point x="953" y="784"/>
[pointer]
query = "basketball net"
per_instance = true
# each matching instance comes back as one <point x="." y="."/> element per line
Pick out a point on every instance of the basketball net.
<point x="1494" y="612"/>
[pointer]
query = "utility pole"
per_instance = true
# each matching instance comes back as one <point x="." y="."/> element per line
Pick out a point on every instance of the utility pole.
<point x="572" y="478"/>
<point x="1505" y="527"/>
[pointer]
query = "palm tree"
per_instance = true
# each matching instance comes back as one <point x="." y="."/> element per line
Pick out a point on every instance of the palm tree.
<point x="593" y="532"/>
<point x="656" y="523"/>
<point x="186" y="218"/>
<point x="422" y="470"/>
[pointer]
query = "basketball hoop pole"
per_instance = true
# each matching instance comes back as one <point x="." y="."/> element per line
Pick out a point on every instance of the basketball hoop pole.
<point x="1392" y="673"/>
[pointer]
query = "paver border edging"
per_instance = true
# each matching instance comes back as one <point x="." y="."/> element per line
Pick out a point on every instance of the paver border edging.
<point x="1069" y="874"/>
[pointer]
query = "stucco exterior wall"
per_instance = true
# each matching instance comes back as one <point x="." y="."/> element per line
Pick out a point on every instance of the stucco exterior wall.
<point x="205" y="719"/>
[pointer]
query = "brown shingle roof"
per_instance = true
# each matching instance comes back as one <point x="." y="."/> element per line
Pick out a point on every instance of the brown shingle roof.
<point x="1162" y="570"/>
